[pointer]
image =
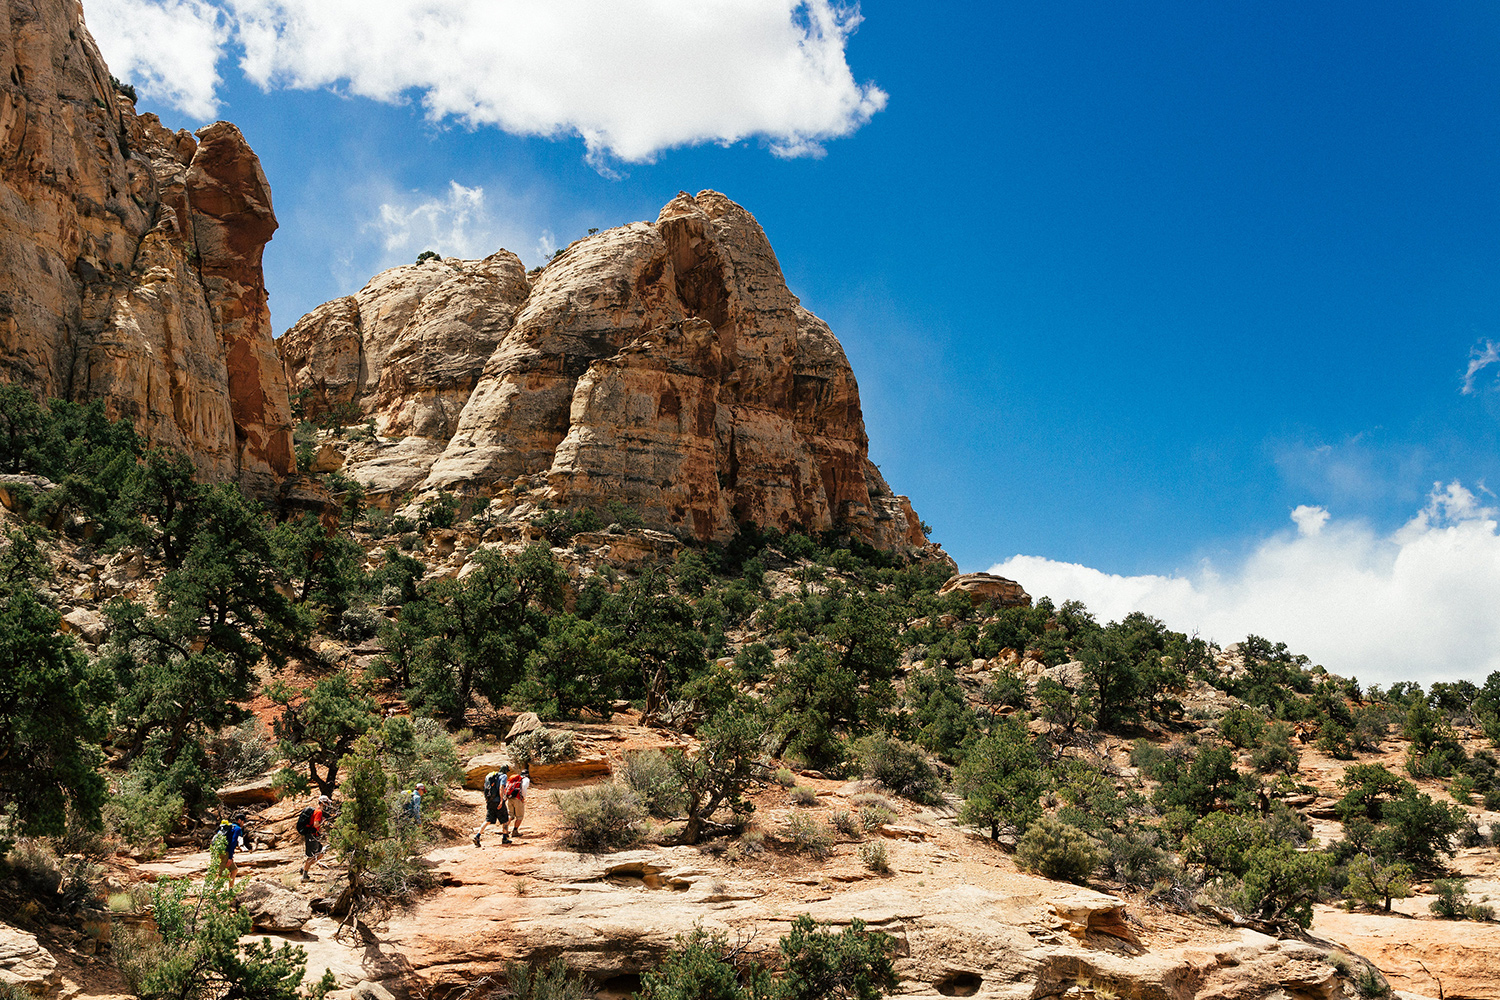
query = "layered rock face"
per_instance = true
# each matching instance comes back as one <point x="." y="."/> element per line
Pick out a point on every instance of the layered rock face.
<point x="665" y="365"/>
<point x="130" y="256"/>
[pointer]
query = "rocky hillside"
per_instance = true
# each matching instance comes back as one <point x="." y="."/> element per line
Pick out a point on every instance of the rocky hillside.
<point x="130" y="256"/>
<point x="662" y="365"/>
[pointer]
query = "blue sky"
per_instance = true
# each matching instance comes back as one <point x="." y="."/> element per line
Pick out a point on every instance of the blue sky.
<point x="1126" y="287"/>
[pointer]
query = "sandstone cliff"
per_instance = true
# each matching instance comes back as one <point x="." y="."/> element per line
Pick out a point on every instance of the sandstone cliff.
<point x="661" y="364"/>
<point x="130" y="256"/>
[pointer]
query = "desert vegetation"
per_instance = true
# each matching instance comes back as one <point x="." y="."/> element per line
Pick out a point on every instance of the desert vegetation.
<point x="1119" y="754"/>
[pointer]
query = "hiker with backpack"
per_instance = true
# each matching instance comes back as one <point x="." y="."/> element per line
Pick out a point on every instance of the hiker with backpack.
<point x="310" y="823"/>
<point x="516" y="790"/>
<point x="412" y="807"/>
<point x="496" y="788"/>
<point x="230" y="835"/>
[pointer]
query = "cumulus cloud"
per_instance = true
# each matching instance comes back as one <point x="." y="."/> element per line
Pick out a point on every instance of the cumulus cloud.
<point x="1413" y="604"/>
<point x="1480" y="358"/>
<point x="631" y="77"/>
<point x="169" y="48"/>
<point x="459" y="222"/>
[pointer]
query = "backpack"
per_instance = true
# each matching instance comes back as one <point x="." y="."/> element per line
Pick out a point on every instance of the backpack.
<point x="493" y="788"/>
<point x="305" y="823"/>
<point x="513" y="788"/>
<point x="410" y="808"/>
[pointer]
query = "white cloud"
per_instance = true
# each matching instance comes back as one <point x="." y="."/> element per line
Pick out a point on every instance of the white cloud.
<point x="169" y="48"/>
<point x="1309" y="520"/>
<point x="631" y="77"/>
<point x="1479" y="359"/>
<point x="460" y="222"/>
<point x="1414" y="604"/>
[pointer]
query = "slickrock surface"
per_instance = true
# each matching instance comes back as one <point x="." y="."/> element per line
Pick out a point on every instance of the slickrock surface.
<point x="665" y="365"/>
<point x="966" y="922"/>
<point x="130" y="256"/>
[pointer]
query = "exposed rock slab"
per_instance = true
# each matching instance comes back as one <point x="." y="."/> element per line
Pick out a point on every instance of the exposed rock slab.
<point x="983" y="587"/>
<point x="558" y="772"/>
<point x="25" y="963"/>
<point x="261" y="791"/>
<point x="273" y="908"/>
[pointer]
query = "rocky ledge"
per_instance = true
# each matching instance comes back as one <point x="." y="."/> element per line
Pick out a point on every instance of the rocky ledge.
<point x="662" y="365"/>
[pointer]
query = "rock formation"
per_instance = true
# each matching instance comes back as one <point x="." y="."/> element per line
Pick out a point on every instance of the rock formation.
<point x="130" y="256"/>
<point x="982" y="587"/>
<point x="665" y="365"/>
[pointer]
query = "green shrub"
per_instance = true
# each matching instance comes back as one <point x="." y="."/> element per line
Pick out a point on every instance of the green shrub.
<point x="1006" y="689"/>
<point x="35" y="868"/>
<point x="650" y="774"/>
<point x="1058" y="851"/>
<point x="806" y="835"/>
<point x="554" y="981"/>
<point x="900" y="767"/>
<point x="543" y="746"/>
<point x="874" y="856"/>
<point x="1242" y="727"/>
<point x="1276" y="751"/>
<point x="1375" y="884"/>
<point x="874" y="817"/>
<point x="1133" y="857"/>
<point x="784" y="777"/>
<point x="845" y="822"/>
<point x="1453" y="902"/>
<point x="803" y="795"/>
<point x="1368" y="982"/>
<point x="600" y="817"/>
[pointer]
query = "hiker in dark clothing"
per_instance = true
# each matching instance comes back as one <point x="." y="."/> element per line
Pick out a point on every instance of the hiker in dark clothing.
<point x="495" y="793"/>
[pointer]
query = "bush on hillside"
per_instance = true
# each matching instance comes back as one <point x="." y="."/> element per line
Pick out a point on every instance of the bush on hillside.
<point x="1059" y="851"/>
<point x="601" y="817"/>
<point x="650" y="774"/>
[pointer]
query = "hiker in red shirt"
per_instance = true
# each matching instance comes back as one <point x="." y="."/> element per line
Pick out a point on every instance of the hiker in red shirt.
<point x="311" y="824"/>
<point x="516" y="790"/>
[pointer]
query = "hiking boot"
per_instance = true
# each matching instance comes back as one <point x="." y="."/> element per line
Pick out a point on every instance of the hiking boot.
<point x="504" y="840"/>
<point x="306" y="877"/>
<point x="476" y="840"/>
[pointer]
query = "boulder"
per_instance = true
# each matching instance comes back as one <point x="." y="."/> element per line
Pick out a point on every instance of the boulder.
<point x="14" y="486"/>
<point x="261" y="791"/>
<point x="87" y="624"/>
<point x="25" y="963"/>
<point x="479" y="766"/>
<point x="983" y="587"/>
<point x="526" y="722"/>
<point x="631" y="549"/>
<point x="273" y="908"/>
<point x="1086" y="912"/>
